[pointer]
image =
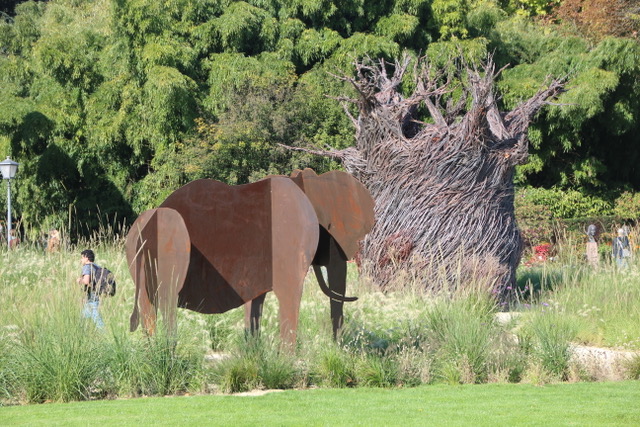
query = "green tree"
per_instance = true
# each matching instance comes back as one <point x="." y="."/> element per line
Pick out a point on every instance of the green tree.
<point x="107" y="103"/>
<point x="586" y="141"/>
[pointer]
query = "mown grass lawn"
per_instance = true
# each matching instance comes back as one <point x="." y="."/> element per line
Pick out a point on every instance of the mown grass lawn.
<point x="578" y="404"/>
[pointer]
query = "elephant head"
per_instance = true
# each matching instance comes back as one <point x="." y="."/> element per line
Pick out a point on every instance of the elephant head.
<point x="345" y="214"/>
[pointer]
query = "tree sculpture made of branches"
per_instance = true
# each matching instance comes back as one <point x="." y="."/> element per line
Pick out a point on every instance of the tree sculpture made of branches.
<point x="443" y="186"/>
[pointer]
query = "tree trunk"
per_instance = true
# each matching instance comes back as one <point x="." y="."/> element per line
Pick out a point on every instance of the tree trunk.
<point x="444" y="188"/>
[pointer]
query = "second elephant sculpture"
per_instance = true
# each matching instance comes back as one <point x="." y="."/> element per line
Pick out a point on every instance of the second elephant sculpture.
<point x="211" y="247"/>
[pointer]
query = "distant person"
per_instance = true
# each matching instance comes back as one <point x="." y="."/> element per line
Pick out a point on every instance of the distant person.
<point x="53" y="242"/>
<point x="14" y="240"/>
<point x="92" y="303"/>
<point x="621" y="249"/>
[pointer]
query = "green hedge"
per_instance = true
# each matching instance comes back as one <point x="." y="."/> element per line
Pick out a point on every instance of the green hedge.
<point x="549" y="215"/>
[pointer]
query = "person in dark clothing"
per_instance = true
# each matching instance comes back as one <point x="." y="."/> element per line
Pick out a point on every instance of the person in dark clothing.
<point x="92" y="302"/>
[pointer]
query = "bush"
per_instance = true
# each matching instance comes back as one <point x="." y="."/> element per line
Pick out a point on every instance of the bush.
<point x="257" y="363"/>
<point x="534" y="219"/>
<point x="461" y="333"/>
<point x="547" y="337"/>
<point x="279" y="371"/>
<point x="538" y="210"/>
<point x="167" y="366"/>
<point x="8" y="368"/>
<point x="378" y="371"/>
<point x="59" y="363"/>
<point x="237" y="374"/>
<point x="627" y="206"/>
<point x="336" y="368"/>
<point x="632" y="367"/>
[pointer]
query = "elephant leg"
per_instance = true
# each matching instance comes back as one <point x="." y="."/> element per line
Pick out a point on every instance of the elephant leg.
<point x="289" y="301"/>
<point x="168" y="305"/>
<point x="337" y="283"/>
<point x="170" y="281"/>
<point x="252" y="315"/>
<point x="158" y="250"/>
<point x="134" y="320"/>
<point x="143" y="307"/>
<point x="337" y="276"/>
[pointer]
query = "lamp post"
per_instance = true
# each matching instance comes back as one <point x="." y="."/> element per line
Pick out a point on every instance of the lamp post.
<point x="9" y="168"/>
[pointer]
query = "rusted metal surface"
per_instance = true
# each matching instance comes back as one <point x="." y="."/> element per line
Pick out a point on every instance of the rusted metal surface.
<point x="343" y="205"/>
<point x="244" y="241"/>
<point x="345" y="214"/>
<point x="222" y="246"/>
<point x="158" y="251"/>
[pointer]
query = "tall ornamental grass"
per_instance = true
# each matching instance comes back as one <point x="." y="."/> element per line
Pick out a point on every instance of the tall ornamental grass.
<point x="51" y="353"/>
<point x="603" y="300"/>
<point x="545" y="336"/>
<point x="404" y="336"/>
<point x="606" y="302"/>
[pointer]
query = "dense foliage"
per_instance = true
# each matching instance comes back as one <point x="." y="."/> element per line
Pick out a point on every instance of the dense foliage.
<point x="109" y="105"/>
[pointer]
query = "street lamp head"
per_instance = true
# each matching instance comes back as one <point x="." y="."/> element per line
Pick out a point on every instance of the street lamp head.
<point x="8" y="168"/>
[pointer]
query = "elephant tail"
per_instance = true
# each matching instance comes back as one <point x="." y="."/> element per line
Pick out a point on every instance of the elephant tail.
<point x="328" y="292"/>
<point x="134" y="320"/>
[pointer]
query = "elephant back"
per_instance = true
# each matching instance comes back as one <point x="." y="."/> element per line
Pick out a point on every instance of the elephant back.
<point x="236" y="238"/>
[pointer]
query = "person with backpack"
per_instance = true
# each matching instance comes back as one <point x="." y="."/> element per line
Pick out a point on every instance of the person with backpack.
<point x="88" y="280"/>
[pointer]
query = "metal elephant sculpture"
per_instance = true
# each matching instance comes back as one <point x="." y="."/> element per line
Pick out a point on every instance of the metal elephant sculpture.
<point x="211" y="247"/>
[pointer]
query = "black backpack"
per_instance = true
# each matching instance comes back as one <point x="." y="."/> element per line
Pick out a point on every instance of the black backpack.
<point x="104" y="281"/>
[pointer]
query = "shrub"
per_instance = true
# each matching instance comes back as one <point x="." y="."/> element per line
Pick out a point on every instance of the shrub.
<point x="257" y="363"/>
<point x="123" y="355"/>
<point x="59" y="363"/>
<point x="627" y="206"/>
<point x="167" y="366"/>
<point x="507" y="362"/>
<point x="461" y="332"/>
<point x="632" y="368"/>
<point x="547" y="337"/>
<point x="336" y="368"/>
<point x="538" y="208"/>
<point x="279" y="370"/>
<point x="414" y="367"/>
<point x="237" y="374"/>
<point x="8" y="358"/>
<point x="534" y="219"/>
<point x="377" y="371"/>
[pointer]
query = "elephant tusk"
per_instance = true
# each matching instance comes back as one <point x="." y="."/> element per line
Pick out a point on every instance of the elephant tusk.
<point x="328" y="292"/>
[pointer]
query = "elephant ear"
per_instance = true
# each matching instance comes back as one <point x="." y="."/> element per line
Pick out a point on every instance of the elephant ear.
<point x="343" y="205"/>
